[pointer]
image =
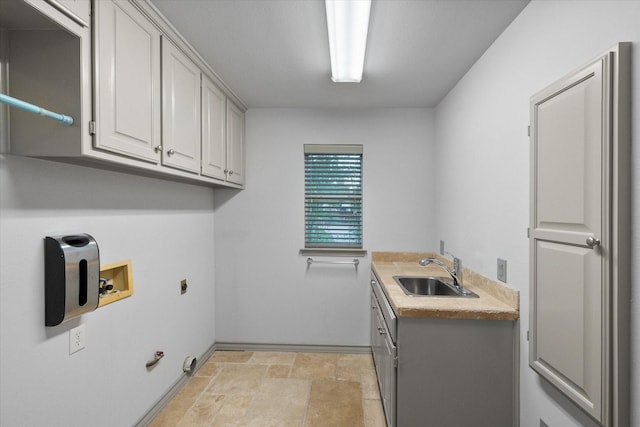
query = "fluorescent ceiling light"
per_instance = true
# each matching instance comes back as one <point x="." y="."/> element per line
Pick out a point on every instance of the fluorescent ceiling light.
<point x="348" y="24"/>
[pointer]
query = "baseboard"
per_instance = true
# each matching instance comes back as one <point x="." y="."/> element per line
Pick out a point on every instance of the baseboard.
<point x="303" y="348"/>
<point x="175" y="388"/>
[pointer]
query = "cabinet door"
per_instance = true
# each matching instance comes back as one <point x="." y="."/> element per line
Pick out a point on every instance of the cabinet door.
<point x="376" y="338"/>
<point x="235" y="144"/>
<point x="127" y="76"/>
<point x="388" y="390"/>
<point x="568" y="240"/>
<point x="180" y="109"/>
<point x="80" y="8"/>
<point x="213" y="130"/>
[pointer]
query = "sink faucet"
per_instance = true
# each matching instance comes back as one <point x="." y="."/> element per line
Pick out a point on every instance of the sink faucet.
<point x="456" y="273"/>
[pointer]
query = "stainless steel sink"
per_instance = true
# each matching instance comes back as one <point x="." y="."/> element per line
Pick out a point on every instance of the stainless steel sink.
<point x="431" y="286"/>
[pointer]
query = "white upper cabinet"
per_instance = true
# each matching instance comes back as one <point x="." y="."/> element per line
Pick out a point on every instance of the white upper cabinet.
<point x="180" y="109"/>
<point x="141" y="97"/>
<point x="235" y="144"/>
<point x="46" y="51"/>
<point x="213" y="130"/>
<point x="127" y="81"/>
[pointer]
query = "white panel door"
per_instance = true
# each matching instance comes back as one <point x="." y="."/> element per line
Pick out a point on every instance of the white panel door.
<point x="235" y="144"/>
<point x="127" y="76"/>
<point x="569" y="291"/>
<point x="180" y="110"/>
<point x="213" y="130"/>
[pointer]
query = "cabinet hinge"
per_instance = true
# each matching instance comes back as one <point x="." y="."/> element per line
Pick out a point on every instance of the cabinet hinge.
<point x="395" y="361"/>
<point x="528" y="233"/>
<point x="528" y="130"/>
<point x="92" y="127"/>
<point x="527" y="335"/>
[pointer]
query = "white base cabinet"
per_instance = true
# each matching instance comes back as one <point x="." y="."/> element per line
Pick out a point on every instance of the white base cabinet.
<point x="444" y="372"/>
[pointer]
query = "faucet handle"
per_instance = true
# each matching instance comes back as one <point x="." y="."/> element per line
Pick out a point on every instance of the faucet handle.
<point x="457" y="268"/>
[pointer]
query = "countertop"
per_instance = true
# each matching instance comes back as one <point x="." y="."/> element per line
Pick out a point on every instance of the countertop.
<point x="496" y="300"/>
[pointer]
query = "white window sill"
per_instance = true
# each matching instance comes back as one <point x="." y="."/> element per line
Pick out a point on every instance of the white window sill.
<point x="333" y="252"/>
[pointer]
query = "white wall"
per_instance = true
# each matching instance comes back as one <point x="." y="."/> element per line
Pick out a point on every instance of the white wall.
<point x="264" y="292"/>
<point x="165" y="229"/>
<point x="482" y="128"/>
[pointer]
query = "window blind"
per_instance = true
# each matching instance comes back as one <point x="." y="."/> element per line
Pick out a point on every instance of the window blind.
<point x="333" y="196"/>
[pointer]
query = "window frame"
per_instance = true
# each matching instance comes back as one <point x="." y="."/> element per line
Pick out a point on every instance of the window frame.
<point x="335" y="248"/>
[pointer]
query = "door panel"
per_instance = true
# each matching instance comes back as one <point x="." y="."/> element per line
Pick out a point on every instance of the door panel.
<point x="568" y="332"/>
<point x="181" y="109"/>
<point x="568" y="297"/>
<point x="235" y="144"/>
<point x="213" y="130"/>
<point x="580" y="191"/>
<point x="128" y="81"/>
<point x="568" y="190"/>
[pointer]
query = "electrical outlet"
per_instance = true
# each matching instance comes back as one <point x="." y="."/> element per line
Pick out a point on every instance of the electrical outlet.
<point x="441" y="247"/>
<point x="502" y="270"/>
<point x="76" y="339"/>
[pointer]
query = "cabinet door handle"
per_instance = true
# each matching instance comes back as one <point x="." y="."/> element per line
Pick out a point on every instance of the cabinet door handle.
<point x="171" y="152"/>
<point x="592" y="242"/>
<point x="373" y="282"/>
<point x="382" y="331"/>
<point x="158" y="148"/>
<point x="230" y="172"/>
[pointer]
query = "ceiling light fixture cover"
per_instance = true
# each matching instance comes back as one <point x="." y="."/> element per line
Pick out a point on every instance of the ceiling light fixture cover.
<point x="348" y="24"/>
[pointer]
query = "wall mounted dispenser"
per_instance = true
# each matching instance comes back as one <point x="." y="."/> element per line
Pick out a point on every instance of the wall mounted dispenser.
<point x="72" y="268"/>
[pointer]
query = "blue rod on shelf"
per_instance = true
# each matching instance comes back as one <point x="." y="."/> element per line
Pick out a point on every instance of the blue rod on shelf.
<point x="14" y="102"/>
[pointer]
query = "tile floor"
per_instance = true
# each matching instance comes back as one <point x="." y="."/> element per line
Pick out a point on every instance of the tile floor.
<point x="270" y="389"/>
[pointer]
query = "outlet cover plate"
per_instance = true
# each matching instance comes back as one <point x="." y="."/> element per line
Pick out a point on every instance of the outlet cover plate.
<point x="77" y="339"/>
<point x="502" y="270"/>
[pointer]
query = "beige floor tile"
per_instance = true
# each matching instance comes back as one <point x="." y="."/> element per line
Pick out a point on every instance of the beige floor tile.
<point x="231" y="356"/>
<point x="209" y="369"/>
<point x="335" y="403"/>
<point x="171" y="414"/>
<point x="254" y="422"/>
<point x="272" y="389"/>
<point x="235" y="405"/>
<point x="373" y="413"/>
<point x="314" y="366"/>
<point x="193" y="388"/>
<point x="369" y="385"/>
<point x="202" y="412"/>
<point x="273" y="358"/>
<point x="282" y="399"/>
<point x="278" y="371"/>
<point x="238" y="379"/>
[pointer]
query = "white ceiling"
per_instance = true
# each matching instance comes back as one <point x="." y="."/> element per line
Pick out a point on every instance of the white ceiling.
<point x="275" y="53"/>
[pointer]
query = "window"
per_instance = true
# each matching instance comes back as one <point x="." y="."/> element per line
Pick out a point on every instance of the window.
<point x="333" y="196"/>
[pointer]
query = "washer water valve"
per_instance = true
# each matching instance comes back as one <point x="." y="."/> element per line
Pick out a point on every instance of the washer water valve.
<point x="156" y="358"/>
